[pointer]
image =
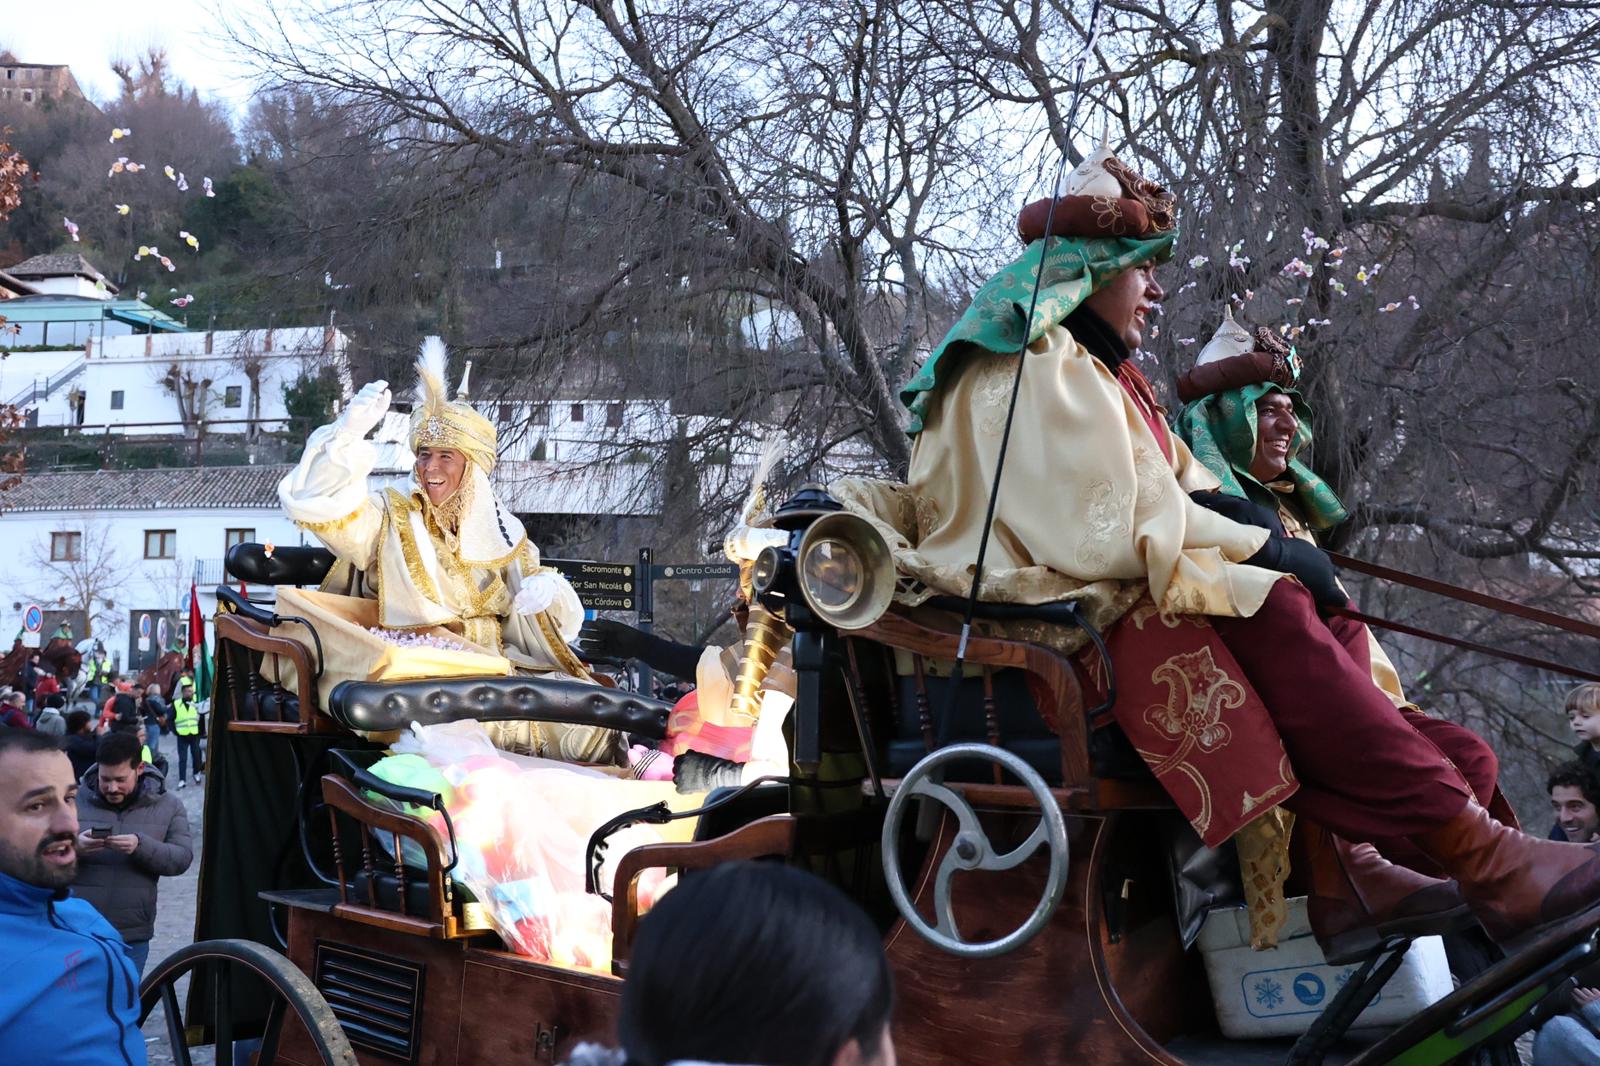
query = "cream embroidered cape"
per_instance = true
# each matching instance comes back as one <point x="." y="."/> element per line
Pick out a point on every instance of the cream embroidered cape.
<point x="1089" y="503"/>
<point x="411" y="571"/>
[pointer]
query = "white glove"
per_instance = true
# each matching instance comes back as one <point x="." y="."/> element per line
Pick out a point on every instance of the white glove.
<point x="537" y="594"/>
<point x="365" y="411"/>
<point x="553" y="593"/>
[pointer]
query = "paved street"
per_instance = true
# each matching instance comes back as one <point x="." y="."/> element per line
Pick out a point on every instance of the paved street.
<point x="175" y="912"/>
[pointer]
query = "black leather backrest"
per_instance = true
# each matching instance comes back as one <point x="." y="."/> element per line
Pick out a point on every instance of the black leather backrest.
<point x="379" y="706"/>
<point x="293" y="565"/>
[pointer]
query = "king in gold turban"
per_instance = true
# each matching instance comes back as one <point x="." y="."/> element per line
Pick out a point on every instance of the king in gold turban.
<point x="445" y="551"/>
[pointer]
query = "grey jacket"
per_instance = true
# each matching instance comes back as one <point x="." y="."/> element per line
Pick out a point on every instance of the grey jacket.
<point x="51" y="723"/>
<point x="123" y="887"/>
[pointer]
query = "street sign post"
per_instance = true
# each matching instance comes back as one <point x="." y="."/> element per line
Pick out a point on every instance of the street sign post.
<point x="32" y="625"/>
<point x="144" y="632"/>
<point x="601" y="586"/>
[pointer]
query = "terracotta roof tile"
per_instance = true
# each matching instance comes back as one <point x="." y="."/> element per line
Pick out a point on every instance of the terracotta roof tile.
<point x="174" y="488"/>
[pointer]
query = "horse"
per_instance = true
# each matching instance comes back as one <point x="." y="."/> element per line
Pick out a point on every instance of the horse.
<point x="58" y="657"/>
<point x="164" y="672"/>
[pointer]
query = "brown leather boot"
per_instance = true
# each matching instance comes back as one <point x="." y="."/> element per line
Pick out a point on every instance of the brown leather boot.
<point x="1356" y="898"/>
<point x="1515" y="884"/>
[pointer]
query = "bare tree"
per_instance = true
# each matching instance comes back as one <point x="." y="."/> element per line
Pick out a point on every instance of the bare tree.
<point x="88" y="579"/>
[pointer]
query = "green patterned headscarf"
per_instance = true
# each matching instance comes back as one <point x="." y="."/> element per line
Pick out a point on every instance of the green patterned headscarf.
<point x="1221" y="431"/>
<point x="1076" y="267"/>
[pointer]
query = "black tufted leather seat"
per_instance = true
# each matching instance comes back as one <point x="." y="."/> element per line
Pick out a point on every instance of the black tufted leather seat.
<point x="294" y="565"/>
<point x="380" y="706"/>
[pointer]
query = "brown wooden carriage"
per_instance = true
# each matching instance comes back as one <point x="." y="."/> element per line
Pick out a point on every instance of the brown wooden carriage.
<point x="1078" y="956"/>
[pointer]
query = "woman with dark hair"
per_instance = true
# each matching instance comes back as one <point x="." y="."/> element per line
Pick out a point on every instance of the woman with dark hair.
<point x="755" y="964"/>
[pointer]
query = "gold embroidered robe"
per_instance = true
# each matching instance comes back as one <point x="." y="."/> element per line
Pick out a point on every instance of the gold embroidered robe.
<point x="391" y="547"/>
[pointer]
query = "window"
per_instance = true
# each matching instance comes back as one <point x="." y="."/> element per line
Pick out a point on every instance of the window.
<point x="577" y="412"/>
<point x="239" y="536"/>
<point x="539" y="414"/>
<point x="66" y="547"/>
<point x="541" y="451"/>
<point x="507" y="413"/>
<point x="160" y="543"/>
<point x="233" y="396"/>
<point x="27" y="96"/>
<point x="116" y="399"/>
<point x="614" y="415"/>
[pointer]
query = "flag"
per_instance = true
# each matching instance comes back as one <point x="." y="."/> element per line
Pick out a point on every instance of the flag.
<point x="199" y="659"/>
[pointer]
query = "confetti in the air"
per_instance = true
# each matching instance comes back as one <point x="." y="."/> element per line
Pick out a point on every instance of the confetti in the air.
<point x="1391" y="306"/>
<point x="1337" y="286"/>
<point x="1236" y="259"/>
<point x="1186" y="286"/>
<point x="1297" y="267"/>
<point x="1313" y="243"/>
<point x="119" y="133"/>
<point x="72" y="227"/>
<point x="1319" y="322"/>
<point x="1155" y="331"/>
<point x="119" y="166"/>
<point x="184" y="300"/>
<point x="1294" y="301"/>
<point x="183" y="182"/>
<point x="205" y="183"/>
<point x="190" y="239"/>
<point x="1414" y="305"/>
<point x="1186" y="341"/>
<point x="123" y="209"/>
<point x="1198" y="261"/>
<point x="143" y="294"/>
<point x="146" y="250"/>
<point x="172" y="175"/>
<point x="167" y="263"/>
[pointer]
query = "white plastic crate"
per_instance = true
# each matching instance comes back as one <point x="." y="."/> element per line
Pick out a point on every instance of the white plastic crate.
<point x="1280" y="992"/>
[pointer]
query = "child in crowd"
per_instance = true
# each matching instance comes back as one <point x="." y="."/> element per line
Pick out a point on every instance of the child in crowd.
<point x="1583" y="714"/>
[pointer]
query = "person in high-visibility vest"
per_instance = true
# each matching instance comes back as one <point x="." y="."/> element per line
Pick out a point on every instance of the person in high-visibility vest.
<point x="186" y="724"/>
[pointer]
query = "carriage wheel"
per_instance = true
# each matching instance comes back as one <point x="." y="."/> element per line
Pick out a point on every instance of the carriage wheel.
<point x="225" y="961"/>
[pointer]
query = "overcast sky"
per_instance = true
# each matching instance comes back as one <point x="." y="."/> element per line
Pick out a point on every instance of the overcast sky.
<point x="89" y="34"/>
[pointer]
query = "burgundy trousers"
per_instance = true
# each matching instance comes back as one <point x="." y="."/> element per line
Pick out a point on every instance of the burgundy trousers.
<point x="1368" y="771"/>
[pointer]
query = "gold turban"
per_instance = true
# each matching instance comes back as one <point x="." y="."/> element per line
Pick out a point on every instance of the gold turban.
<point x="439" y="422"/>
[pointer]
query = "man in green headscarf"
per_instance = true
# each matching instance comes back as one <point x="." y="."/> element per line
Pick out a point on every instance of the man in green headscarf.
<point x="1230" y="685"/>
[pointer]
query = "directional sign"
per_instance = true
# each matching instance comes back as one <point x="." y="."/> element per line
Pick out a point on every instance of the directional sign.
<point x="696" y="571"/>
<point x="601" y="586"/>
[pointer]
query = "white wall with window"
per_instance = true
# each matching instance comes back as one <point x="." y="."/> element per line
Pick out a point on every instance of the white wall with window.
<point x="149" y="556"/>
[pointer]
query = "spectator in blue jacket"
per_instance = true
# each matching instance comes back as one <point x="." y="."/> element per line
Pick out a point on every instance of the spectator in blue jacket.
<point x="71" y="997"/>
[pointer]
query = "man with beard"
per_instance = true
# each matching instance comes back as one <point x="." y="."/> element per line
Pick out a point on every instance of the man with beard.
<point x="134" y="833"/>
<point x="71" y="987"/>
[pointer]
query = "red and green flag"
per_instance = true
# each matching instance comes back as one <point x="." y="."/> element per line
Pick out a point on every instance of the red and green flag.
<point x="199" y="658"/>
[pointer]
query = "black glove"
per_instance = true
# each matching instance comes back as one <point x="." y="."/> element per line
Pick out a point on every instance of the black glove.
<point x="1306" y="561"/>
<point x="695" y="771"/>
<point x="602" y="638"/>
<point x="1243" y="511"/>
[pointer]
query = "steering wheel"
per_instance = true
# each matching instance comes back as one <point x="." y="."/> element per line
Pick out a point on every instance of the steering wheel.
<point x="971" y="850"/>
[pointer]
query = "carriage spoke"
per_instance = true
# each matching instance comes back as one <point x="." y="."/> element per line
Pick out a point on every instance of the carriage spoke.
<point x="224" y="1015"/>
<point x="175" y="1040"/>
<point x="272" y="1031"/>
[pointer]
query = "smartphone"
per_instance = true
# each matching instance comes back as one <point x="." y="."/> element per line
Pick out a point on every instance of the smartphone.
<point x="100" y="832"/>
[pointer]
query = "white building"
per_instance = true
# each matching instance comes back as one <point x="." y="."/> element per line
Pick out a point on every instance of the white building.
<point x="116" y="544"/>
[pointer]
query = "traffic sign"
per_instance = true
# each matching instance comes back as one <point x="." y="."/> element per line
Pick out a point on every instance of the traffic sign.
<point x="601" y="586"/>
<point x="695" y="571"/>
<point x="163" y="631"/>
<point x="144" y="626"/>
<point x="32" y="624"/>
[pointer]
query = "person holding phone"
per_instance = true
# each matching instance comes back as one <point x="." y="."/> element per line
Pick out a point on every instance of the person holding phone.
<point x="132" y="833"/>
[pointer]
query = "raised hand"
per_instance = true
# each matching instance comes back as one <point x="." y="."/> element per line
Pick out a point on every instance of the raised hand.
<point x="366" y="410"/>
